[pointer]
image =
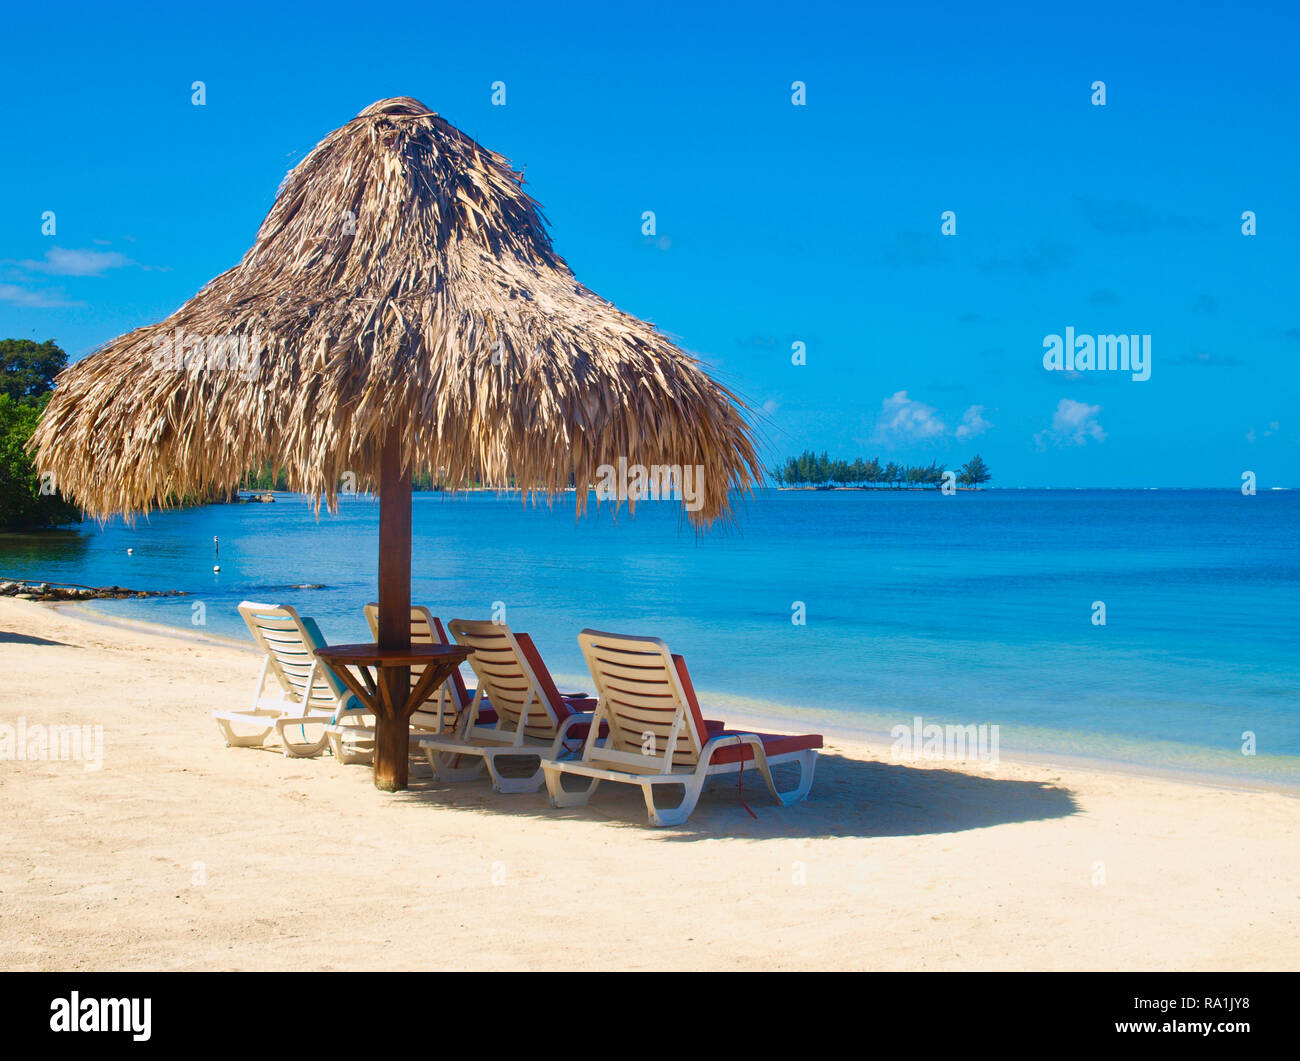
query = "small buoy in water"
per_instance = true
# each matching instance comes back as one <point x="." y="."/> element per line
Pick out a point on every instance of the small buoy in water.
<point x="129" y="552"/>
<point x="216" y="567"/>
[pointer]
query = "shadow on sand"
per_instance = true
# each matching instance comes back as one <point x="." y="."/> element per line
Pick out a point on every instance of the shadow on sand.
<point x="850" y="797"/>
<point x="9" y="638"/>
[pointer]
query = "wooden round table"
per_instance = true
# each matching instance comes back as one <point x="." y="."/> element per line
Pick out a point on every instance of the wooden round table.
<point x="381" y="696"/>
<point x="438" y="662"/>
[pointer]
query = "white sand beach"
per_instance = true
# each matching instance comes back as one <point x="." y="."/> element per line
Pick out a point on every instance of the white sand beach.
<point x="179" y="853"/>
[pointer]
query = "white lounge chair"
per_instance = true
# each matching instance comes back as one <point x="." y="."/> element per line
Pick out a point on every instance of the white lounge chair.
<point x="439" y="713"/>
<point x="533" y="719"/>
<point x="310" y="694"/>
<point x="657" y="736"/>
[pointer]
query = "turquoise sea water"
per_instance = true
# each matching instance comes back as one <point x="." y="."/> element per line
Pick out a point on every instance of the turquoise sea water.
<point x="976" y="608"/>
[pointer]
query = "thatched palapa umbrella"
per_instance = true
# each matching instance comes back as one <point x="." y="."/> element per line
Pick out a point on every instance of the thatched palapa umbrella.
<point x="401" y="311"/>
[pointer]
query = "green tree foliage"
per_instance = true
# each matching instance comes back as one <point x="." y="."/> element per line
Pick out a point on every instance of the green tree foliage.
<point x="266" y="478"/>
<point x="27" y="372"/>
<point x="22" y="505"/>
<point x="974" y="472"/>
<point x="27" y="369"/>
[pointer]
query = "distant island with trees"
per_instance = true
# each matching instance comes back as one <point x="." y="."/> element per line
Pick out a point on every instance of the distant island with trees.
<point x="810" y="471"/>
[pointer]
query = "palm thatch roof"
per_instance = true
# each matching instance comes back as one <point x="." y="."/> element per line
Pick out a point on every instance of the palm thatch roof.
<point x="404" y="279"/>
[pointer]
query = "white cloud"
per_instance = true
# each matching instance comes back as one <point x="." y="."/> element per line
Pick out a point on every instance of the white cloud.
<point x="1073" y="424"/>
<point x="21" y="296"/>
<point x="61" y="261"/>
<point x="972" y="423"/>
<point x="770" y="406"/>
<point x="903" y="419"/>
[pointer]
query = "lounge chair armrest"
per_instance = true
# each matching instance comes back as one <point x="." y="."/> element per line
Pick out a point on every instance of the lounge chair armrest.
<point x="726" y="741"/>
<point x="311" y="714"/>
<point x="367" y="717"/>
<point x="573" y="720"/>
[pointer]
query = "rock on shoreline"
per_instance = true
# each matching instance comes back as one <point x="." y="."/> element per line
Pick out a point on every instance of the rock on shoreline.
<point x="55" y="591"/>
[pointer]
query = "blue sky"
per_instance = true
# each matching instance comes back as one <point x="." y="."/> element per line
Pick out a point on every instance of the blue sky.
<point x="776" y="223"/>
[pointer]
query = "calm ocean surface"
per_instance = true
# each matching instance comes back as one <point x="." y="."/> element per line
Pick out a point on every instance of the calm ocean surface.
<point x="968" y="609"/>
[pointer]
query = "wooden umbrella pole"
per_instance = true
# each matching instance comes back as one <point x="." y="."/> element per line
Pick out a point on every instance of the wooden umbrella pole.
<point x="391" y="725"/>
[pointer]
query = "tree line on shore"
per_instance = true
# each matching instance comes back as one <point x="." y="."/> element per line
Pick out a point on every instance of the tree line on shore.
<point x="811" y="470"/>
<point x="270" y="477"/>
<point x="27" y="371"/>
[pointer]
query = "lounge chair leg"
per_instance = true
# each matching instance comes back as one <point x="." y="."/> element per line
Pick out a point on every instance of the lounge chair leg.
<point x="807" y="761"/>
<point x="560" y="797"/>
<point x="677" y="815"/>
<point x="305" y="750"/>
<point x="339" y="748"/>
<point x="443" y="769"/>
<point x="513" y="785"/>
<point x="233" y="740"/>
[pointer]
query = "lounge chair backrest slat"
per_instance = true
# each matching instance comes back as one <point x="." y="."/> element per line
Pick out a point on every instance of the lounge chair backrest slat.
<point x="427" y="629"/>
<point x="289" y="641"/>
<point x="512" y="676"/>
<point x="643" y="692"/>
